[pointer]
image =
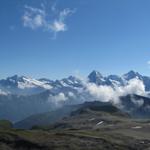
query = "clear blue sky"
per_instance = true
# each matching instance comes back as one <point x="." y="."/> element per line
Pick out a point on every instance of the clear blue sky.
<point x="112" y="36"/>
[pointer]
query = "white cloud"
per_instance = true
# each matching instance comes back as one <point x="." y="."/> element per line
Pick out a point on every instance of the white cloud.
<point x="107" y="93"/>
<point x="3" y="93"/>
<point x="34" y="17"/>
<point x="58" y="99"/>
<point x="71" y="95"/>
<point x="103" y="93"/>
<point x="138" y="103"/>
<point x="53" y="21"/>
<point x="58" y="26"/>
<point x="134" y="86"/>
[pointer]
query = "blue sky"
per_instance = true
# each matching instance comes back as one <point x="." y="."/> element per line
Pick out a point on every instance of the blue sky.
<point x="56" y="38"/>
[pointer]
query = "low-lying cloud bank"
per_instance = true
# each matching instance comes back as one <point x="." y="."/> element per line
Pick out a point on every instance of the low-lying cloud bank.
<point x="104" y="93"/>
<point x="59" y="99"/>
<point x="108" y="93"/>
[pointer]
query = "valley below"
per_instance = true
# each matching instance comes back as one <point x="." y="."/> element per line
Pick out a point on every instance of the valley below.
<point x="93" y="126"/>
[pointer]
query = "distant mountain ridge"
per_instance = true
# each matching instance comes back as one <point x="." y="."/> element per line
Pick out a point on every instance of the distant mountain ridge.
<point x="22" y="96"/>
<point x="110" y="80"/>
<point x="22" y="85"/>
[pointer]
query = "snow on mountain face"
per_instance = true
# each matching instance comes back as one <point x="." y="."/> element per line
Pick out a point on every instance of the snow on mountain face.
<point x="114" y="80"/>
<point x="111" y="80"/>
<point x="32" y="83"/>
<point x="27" y="86"/>
<point x="131" y="74"/>
<point x="46" y="81"/>
<point x="72" y="82"/>
<point x="96" y="77"/>
<point x="23" y="85"/>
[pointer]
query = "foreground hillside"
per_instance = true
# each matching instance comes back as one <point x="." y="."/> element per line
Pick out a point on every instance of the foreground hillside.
<point x="94" y="126"/>
<point x="71" y="140"/>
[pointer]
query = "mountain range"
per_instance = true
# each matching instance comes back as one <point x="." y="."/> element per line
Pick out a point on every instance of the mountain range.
<point x="22" y="85"/>
<point x="21" y="96"/>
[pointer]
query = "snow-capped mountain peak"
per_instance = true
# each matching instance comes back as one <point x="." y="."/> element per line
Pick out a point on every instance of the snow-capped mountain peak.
<point x="116" y="80"/>
<point x="32" y="83"/>
<point x="27" y="85"/>
<point x="96" y="74"/>
<point x="96" y="77"/>
<point x="71" y="81"/>
<point x="22" y="85"/>
<point x="131" y="74"/>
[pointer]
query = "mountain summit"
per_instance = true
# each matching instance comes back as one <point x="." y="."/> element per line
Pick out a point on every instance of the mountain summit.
<point x="132" y="74"/>
<point x="96" y="77"/>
